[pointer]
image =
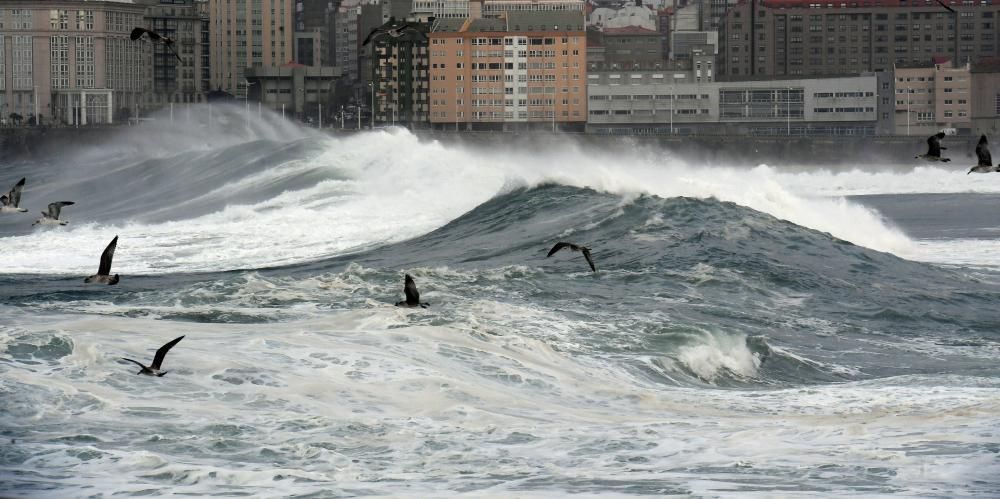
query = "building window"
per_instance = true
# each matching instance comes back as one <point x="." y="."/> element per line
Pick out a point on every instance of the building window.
<point x="59" y="59"/>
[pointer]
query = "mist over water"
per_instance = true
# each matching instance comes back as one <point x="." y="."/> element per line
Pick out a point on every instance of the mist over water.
<point x="752" y="331"/>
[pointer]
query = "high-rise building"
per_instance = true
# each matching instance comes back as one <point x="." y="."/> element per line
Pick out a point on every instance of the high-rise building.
<point x="401" y="79"/>
<point x="523" y="70"/>
<point x="986" y="97"/>
<point x="71" y="61"/>
<point x="248" y="33"/>
<point x="179" y="78"/>
<point x="804" y="37"/>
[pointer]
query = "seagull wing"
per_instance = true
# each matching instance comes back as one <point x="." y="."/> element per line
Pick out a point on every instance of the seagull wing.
<point x="983" y="152"/>
<point x="3" y="200"/>
<point x="56" y="208"/>
<point x="946" y="6"/>
<point x="162" y="352"/>
<point x="560" y="246"/>
<point x="933" y="146"/>
<point x="136" y="362"/>
<point x="410" y="289"/>
<point x="368" y="38"/>
<point x="586" y="254"/>
<point x="106" y="257"/>
<point x="170" y="47"/>
<point x="14" y="198"/>
<point x="138" y="32"/>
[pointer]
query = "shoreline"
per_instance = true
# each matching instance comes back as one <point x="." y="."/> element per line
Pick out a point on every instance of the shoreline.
<point x="39" y="143"/>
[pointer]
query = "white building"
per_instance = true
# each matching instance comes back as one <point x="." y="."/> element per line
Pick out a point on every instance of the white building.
<point x="672" y="102"/>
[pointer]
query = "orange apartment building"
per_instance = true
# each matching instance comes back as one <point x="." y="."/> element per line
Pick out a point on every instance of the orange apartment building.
<point x="523" y="70"/>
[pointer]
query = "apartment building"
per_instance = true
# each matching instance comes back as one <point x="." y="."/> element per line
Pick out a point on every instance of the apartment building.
<point x="804" y="37"/>
<point x="400" y="83"/>
<point x="183" y="80"/>
<point x="933" y="96"/>
<point x="522" y="70"/>
<point x="248" y="33"/>
<point x="71" y="61"/>
<point x="661" y="102"/>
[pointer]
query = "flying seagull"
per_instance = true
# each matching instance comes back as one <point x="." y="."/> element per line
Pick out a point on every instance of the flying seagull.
<point x="412" y="295"/>
<point x="946" y="6"/>
<point x="583" y="249"/>
<point x="985" y="160"/>
<point x="392" y="29"/>
<point x="154" y="368"/>
<point x="51" y="217"/>
<point x="155" y="37"/>
<point x="10" y="202"/>
<point x="934" y="148"/>
<point x="103" y="275"/>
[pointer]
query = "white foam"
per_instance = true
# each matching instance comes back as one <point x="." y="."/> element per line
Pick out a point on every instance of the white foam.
<point x="397" y="187"/>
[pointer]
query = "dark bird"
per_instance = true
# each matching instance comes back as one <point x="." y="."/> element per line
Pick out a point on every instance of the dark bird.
<point x="582" y="249"/>
<point x="412" y="295"/>
<point x="946" y="6"/>
<point x="155" y="37"/>
<point x="934" y="148"/>
<point x="51" y="217"/>
<point x="154" y="368"/>
<point x="985" y="160"/>
<point x="392" y="29"/>
<point x="103" y="275"/>
<point x="10" y="203"/>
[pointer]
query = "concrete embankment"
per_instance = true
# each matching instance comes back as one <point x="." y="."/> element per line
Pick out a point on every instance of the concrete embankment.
<point x="31" y="143"/>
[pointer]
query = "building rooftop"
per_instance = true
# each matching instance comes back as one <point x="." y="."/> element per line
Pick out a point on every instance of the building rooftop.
<point x="854" y="4"/>
<point x="514" y="22"/>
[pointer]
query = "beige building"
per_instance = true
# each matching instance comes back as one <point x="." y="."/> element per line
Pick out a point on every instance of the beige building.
<point x="245" y="34"/>
<point x="526" y="69"/>
<point x="931" y="97"/>
<point x="71" y="61"/>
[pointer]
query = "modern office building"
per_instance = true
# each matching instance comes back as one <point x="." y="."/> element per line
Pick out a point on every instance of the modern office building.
<point x="933" y="96"/>
<point x="646" y="102"/>
<point x="986" y="98"/>
<point x="293" y="89"/>
<point x="71" y="61"/>
<point x="179" y="80"/>
<point x="523" y="70"/>
<point x="245" y="34"/>
<point x="805" y="37"/>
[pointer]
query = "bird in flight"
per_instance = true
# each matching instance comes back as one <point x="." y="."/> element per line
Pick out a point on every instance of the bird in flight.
<point x="574" y="247"/>
<point x="155" y="37"/>
<point x="154" y="368"/>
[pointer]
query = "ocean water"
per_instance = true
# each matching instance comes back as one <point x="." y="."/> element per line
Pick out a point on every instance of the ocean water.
<point x="752" y="331"/>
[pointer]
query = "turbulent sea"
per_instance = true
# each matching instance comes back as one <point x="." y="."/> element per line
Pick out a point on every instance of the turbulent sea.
<point x="752" y="331"/>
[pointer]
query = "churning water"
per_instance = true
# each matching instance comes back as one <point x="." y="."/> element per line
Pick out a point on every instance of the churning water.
<point x="751" y="331"/>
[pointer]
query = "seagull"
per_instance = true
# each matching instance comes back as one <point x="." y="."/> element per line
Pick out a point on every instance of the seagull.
<point x="583" y="249"/>
<point x="946" y="6"/>
<point x="394" y="30"/>
<point x="51" y="217"/>
<point x="155" y="37"/>
<point x="154" y="368"/>
<point x="934" y="148"/>
<point x="10" y="203"/>
<point x="985" y="160"/>
<point x="103" y="275"/>
<point x="412" y="295"/>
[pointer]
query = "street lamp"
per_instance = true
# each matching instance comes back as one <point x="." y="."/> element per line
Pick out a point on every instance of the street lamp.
<point x="246" y="100"/>
<point x="371" y="85"/>
<point x="788" y="115"/>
